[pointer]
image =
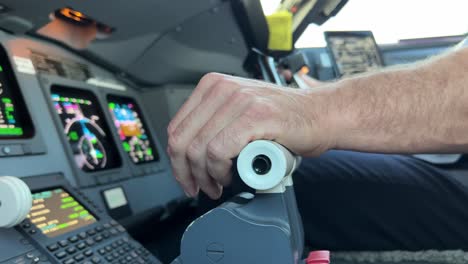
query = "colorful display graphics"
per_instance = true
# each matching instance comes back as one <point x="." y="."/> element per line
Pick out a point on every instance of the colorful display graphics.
<point x="132" y="130"/>
<point x="14" y="119"/>
<point x="85" y="128"/>
<point x="56" y="212"/>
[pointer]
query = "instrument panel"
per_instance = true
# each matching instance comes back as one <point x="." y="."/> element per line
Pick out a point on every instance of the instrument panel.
<point x="353" y="52"/>
<point x="88" y="151"/>
<point x="99" y="137"/>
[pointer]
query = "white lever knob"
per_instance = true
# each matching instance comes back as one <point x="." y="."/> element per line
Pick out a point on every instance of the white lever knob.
<point x="263" y="164"/>
<point x="15" y="201"/>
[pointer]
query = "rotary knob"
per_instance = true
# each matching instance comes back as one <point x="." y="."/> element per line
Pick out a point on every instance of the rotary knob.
<point x="15" y="201"/>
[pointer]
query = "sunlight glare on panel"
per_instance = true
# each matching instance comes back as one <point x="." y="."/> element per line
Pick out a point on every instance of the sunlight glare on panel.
<point x="392" y="20"/>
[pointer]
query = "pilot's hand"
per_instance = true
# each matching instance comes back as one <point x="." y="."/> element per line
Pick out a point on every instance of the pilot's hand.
<point x="311" y="82"/>
<point x="225" y="113"/>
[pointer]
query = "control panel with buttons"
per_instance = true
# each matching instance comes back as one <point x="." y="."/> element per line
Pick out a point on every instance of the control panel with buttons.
<point x="64" y="228"/>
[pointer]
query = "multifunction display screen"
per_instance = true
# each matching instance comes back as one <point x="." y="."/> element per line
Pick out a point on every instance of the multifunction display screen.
<point x="55" y="212"/>
<point x="353" y="52"/>
<point x="85" y="128"/>
<point x="132" y="130"/>
<point x="14" y="118"/>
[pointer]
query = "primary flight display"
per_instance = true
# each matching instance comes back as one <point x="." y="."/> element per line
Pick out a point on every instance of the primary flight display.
<point x="85" y="128"/>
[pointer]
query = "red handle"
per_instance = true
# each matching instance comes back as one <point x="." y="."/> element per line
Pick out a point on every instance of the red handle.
<point x="319" y="257"/>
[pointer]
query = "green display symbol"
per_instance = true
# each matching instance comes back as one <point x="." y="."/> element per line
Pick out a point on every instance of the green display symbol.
<point x="126" y="146"/>
<point x="73" y="136"/>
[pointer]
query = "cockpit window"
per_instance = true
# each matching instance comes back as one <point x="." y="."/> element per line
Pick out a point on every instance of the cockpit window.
<point x="393" y="20"/>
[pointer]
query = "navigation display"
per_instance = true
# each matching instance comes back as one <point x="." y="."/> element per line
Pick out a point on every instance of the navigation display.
<point x="86" y="130"/>
<point x="15" y="122"/>
<point x="353" y="52"/>
<point x="55" y="212"/>
<point x="132" y="130"/>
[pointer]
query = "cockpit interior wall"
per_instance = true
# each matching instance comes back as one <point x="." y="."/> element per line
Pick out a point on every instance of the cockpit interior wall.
<point x="185" y="30"/>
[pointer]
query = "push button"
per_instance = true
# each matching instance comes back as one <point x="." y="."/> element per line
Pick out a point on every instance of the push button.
<point x="69" y="261"/>
<point x="63" y="243"/>
<point x="89" y="242"/>
<point x="82" y="235"/>
<point x="71" y="250"/>
<point x="52" y="247"/>
<point x="81" y="246"/>
<point x="61" y="255"/>
<point x="79" y="257"/>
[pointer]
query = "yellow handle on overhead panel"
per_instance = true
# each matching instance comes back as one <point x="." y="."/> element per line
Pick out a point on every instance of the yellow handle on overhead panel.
<point x="280" y="26"/>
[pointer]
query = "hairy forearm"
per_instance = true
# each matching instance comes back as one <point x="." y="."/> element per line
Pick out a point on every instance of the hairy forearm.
<point x="418" y="109"/>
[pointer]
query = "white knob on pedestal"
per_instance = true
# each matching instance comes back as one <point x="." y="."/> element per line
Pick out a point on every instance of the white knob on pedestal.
<point x="15" y="201"/>
<point x="264" y="164"/>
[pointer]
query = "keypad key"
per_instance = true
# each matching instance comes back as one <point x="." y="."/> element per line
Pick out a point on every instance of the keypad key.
<point x="116" y="254"/>
<point x="87" y="262"/>
<point x="52" y="247"/>
<point x="99" y="229"/>
<point x="61" y="254"/>
<point x="82" y="235"/>
<point x="69" y="261"/>
<point x="96" y="260"/>
<point x="121" y="229"/>
<point x="120" y="242"/>
<point x="102" y="251"/>
<point x="128" y="258"/>
<point x="89" y="242"/>
<point x="121" y="251"/>
<point x="91" y="232"/>
<point x="71" y="250"/>
<point x="73" y="239"/>
<point x="105" y="234"/>
<point x="115" y="245"/>
<point x="113" y="223"/>
<point x="98" y="238"/>
<point x="79" y="257"/>
<point x="81" y="246"/>
<point x="88" y="253"/>
<point x="113" y="231"/>
<point x="63" y="243"/>
<point x="107" y="226"/>
<point x="109" y="258"/>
